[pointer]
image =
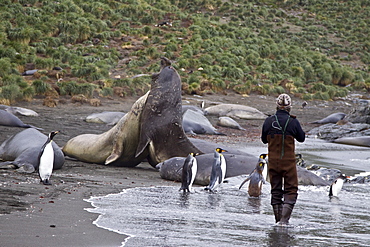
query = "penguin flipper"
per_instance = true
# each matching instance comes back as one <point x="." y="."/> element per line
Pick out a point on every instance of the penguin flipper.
<point x="246" y="180"/>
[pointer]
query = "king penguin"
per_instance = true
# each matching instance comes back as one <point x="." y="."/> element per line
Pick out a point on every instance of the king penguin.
<point x="337" y="185"/>
<point x="46" y="159"/>
<point x="218" y="172"/>
<point x="189" y="171"/>
<point x="256" y="178"/>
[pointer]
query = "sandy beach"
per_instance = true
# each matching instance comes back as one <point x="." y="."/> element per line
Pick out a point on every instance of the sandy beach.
<point x="33" y="214"/>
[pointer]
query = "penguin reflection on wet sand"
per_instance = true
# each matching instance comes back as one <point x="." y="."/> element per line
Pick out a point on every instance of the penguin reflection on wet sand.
<point x="337" y="185"/>
<point x="218" y="170"/>
<point x="46" y="159"/>
<point x="257" y="177"/>
<point x="189" y="171"/>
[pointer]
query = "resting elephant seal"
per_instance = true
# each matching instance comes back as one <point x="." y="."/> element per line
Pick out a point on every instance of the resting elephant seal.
<point x="194" y="123"/>
<point x="332" y="118"/>
<point x="357" y="140"/>
<point x="237" y="164"/>
<point x="23" y="148"/>
<point x="151" y="130"/>
<point x="107" y="117"/>
<point x="8" y="119"/>
<point x="19" y="110"/>
<point x="235" y="111"/>
<point x="229" y="122"/>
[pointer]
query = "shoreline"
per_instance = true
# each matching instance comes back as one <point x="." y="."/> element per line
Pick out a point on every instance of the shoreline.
<point x="33" y="214"/>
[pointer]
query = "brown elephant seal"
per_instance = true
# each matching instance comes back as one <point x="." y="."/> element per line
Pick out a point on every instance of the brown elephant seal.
<point x="151" y="130"/>
<point x="355" y="140"/>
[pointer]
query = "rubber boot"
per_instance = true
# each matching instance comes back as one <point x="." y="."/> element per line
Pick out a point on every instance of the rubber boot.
<point x="285" y="215"/>
<point x="278" y="208"/>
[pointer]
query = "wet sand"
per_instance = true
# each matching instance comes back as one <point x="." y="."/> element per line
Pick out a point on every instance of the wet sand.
<point x="33" y="214"/>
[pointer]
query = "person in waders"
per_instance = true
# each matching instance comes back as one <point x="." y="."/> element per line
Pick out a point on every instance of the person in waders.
<point x="280" y="131"/>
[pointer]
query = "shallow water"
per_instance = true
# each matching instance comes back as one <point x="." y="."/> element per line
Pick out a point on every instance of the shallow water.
<point x="164" y="216"/>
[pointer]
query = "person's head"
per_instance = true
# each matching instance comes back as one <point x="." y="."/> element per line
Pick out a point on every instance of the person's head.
<point x="283" y="102"/>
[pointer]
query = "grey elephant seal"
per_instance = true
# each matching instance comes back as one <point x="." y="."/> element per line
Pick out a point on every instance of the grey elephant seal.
<point x="357" y="141"/>
<point x="194" y="122"/>
<point x="107" y="117"/>
<point x="8" y="119"/>
<point x="19" y="110"/>
<point x="237" y="164"/>
<point x="229" y="122"/>
<point x="332" y="118"/>
<point x="235" y="111"/>
<point x="23" y="148"/>
<point x="151" y="130"/>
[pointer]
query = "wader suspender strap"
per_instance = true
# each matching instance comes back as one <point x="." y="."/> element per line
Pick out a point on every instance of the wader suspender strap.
<point x="283" y="130"/>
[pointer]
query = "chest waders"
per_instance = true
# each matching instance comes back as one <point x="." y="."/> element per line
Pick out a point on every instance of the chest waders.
<point x="283" y="130"/>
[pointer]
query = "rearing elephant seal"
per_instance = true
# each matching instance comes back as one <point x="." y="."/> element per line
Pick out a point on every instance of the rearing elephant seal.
<point x="151" y="130"/>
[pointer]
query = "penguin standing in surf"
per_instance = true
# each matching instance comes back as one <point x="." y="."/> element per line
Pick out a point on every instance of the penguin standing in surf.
<point x="337" y="185"/>
<point x="189" y="171"/>
<point x="218" y="172"/>
<point x="46" y="159"/>
<point x="257" y="177"/>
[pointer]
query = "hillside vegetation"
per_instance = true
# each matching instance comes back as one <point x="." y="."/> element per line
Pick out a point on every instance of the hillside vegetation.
<point x="312" y="49"/>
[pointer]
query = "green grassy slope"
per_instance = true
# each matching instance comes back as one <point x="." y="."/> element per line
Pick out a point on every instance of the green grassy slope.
<point x="313" y="49"/>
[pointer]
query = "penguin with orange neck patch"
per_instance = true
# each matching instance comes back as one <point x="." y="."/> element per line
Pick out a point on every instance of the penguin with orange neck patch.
<point x="257" y="177"/>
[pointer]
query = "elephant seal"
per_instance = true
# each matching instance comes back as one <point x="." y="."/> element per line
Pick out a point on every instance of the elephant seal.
<point x="161" y="128"/>
<point x="151" y="130"/>
<point x="194" y="123"/>
<point x="107" y="117"/>
<point x="237" y="164"/>
<point x="23" y="148"/>
<point x="229" y="122"/>
<point x="235" y="111"/>
<point x="306" y="177"/>
<point x="357" y="140"/>
<point x="193" y="108"/>
<point x="332" y="118"/>
<point x="19" y="110"/>
<point x="8" y="119"/>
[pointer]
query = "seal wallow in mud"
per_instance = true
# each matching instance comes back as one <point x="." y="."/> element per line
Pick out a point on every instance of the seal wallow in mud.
<point x="151" y="130"/>
<point x="22" y="150"/>
<point x="356" y="140"/>
<point x="8" y="119"/>
<point x="332" y="118"/>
